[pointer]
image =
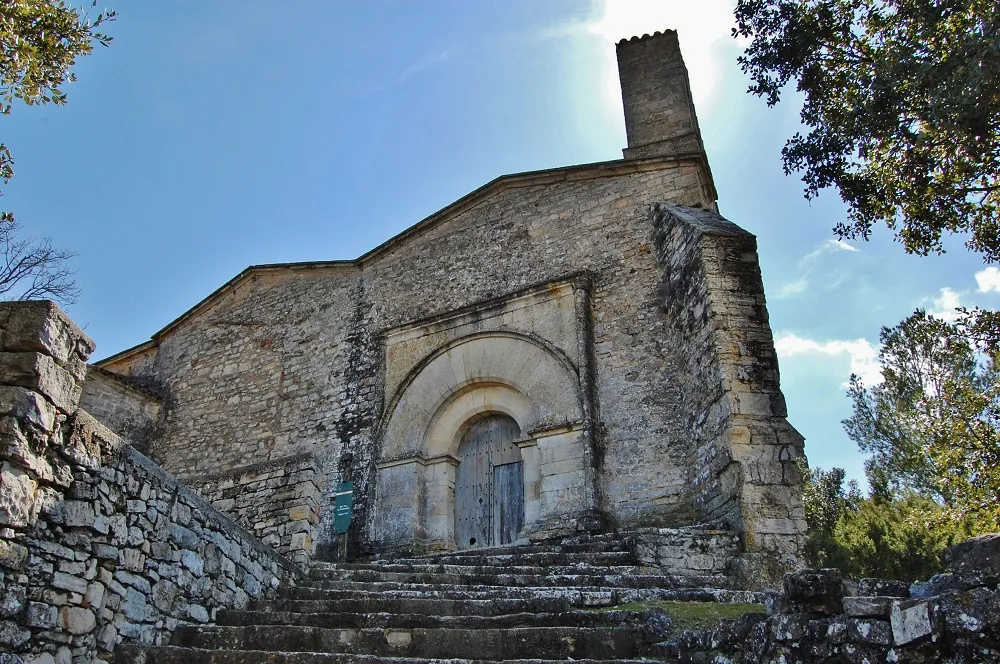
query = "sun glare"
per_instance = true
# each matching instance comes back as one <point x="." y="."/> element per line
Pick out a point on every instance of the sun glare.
<point x="699" y="25"/>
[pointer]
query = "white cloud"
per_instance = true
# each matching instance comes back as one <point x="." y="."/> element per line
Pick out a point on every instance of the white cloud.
<point x="988" y="280"/>
<point x="807" y="265"/>
<point x="792" y="288"/>
<point x="861" y="353"/>
<point x="944" y="306"/>
<point x="828" y="246"/>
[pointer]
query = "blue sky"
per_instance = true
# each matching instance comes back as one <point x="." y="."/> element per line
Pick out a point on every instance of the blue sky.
<point x="216" y="135"/>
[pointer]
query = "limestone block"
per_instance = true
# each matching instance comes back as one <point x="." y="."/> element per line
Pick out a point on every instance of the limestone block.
<point x="27" y="405"/>
<point x="77" y="620"/>
<point x="135" y="607"/>
<point x="868" y="607"/>
<point x="41" y="373"/>
<point x="42" y="326"/>
<point x="78" y="513"/>
<point x="95" y="595"/>
<point x="192" y="561"/>
<point x="17" y="497"/>
<point x="869" y="630"/>
<point x="12" y="598"/>
<point x="12" y="634"/>
<point x="69" y="582"/>
<point x="818" y="592"/>
<point x="13" y="556"/>
<point x="978" y="557"/>
<point x="883" y="588"/>
<point x="911" y="621"/>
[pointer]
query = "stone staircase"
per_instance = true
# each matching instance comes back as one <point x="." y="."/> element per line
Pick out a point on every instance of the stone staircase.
<point x="550" y="602"/>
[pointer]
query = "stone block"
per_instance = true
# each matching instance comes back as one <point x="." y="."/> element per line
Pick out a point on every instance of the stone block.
<point x="870" y="631"/>
<point x="819" y="592"/>
<point x="163" y="595"/>
<point x="78" y="513"/>
<point x="12" y="598"/>
<point x="69" y="582"/>
<point x="43" y="327"/>
<point x="41" y="373"/>
<point x="198" y="613"/>
<point x="77" y="620"/>
<point x="868" y="607"/>
<point x="13" y="556"/>
<point x="95" y="595"/>
<point x="17" y="497"/>
<point x="41" y="615"/>
<point x="883" y="588"/>
<point x="978" y="558"/>
<point x="911" y="621"/>
<point x="12" y="634"/>
<point x="28" y="406"/>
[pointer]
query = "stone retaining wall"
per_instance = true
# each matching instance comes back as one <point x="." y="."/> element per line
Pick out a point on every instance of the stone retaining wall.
<point x="97" y="544"/>
<point x="688" y="551"/>
<point x="819" y="617"/>
<point x="277" y="501"/>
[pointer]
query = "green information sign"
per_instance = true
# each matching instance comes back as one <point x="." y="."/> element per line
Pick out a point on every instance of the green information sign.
<point x="343" y="506"/>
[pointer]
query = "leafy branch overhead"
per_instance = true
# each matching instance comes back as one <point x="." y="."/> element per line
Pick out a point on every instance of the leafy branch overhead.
<point x="901" y="109"/>
<point x="40" y="41"/>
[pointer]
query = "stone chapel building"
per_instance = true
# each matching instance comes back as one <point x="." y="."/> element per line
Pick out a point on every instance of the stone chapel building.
<point x="571" y="350"/>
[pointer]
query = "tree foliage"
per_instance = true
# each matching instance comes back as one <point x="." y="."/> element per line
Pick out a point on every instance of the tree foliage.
<point x="932" y="427"/>
<point x="901" y="109"/>
<point x="896" y="538"/>
<point x="40" y="41"/>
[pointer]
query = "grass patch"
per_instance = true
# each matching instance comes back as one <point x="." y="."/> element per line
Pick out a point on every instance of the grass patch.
<point x="690" y="616"/>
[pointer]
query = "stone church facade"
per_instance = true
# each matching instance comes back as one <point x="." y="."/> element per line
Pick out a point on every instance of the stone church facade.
<point x="579" y="349"/>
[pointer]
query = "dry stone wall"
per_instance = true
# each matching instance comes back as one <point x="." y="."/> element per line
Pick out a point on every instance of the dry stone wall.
<point x="821" y="618"/>
<point x="98" y="545"/>
<point x="277" y="501"/>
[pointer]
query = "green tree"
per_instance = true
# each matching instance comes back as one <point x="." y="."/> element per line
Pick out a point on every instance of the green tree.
<point x="901" y="105"/>
<point x="932" y="427"/>
<point x="40" y="41"/>
<point x="902" y="537"/>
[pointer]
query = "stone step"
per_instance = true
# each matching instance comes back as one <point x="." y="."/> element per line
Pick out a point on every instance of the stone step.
<point x="504" y="557"/>
<point x="501" y="644"/>
<point x="179" y="655"/>
<point x="468" y="566"/>
<point x="458" y="574"/>
<point x="420" y="604"/>
<point x="347" y="620"/>
<point x="596" y="544"/>
<point x="576" y="596"/>
<point x="436" y="581"/>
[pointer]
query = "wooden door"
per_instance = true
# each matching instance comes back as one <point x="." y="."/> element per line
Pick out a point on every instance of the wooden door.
<point x="508" y="502"/>
<point x="489" y="491"/>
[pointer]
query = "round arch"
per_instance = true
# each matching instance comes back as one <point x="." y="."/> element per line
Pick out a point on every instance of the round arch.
<point x="497" y="371"/>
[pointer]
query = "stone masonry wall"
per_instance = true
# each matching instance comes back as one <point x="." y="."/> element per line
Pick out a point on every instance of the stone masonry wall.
<point x="97" y="544"/>
<point x="277" y="501"/>
<point x="743" y="454"/>
<point x="688" y="551"/>
<point x="820" y="618"/>
<point x="290" y="362"/>
<point x="128" y="410"/>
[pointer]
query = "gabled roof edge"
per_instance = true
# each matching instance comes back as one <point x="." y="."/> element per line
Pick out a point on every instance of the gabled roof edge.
<point x="515" y="180"/>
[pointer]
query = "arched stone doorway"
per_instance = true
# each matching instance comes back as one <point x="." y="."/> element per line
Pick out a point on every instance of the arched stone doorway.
<point x="516" y="387"/>
<point x="489" y="484"/>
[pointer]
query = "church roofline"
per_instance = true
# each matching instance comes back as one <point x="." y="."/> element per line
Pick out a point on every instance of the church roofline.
<point x="496" y="186"/>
